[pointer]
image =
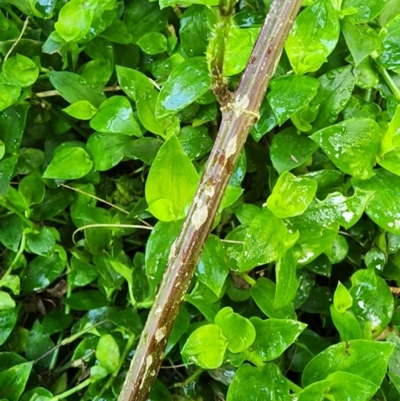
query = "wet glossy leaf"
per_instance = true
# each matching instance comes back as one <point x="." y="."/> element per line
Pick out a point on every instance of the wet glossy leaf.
<point x="266" y="122"/>
<point x="302" y="90"/>
<point x="153" y="43"/>
<point x="333" y="94"/>
<point x="186" y="83"/>
<point x="195" y="27"/>
<point x="8" y="319"/>
<point x="313" y="37"/>
<point x="266" y="240"/>
<point x="356" y="34"/>
<point x="41" y="243"/>
<point x="383" y="207"/>
<point x="9" y="95"/>
<point x="238" y="49"/>
<point x="139" y="88"/>
<point x="351" y="145"/>
<point x="11" y="231"/>
<point x="263" y="294"/>
<point x="257" y="383"/>
<point x="196" y="142"/>
<point x="13" y="381"/>
<point x="86" y="300"/>
<point x="115" y="116"/>
<point x="364" y="358"/>
<point x="171" y="182"/>
<point x="286" y="280"/>
<point x="69" y="163"/>
<point x="107" y="353"/>
<point x="290" y="150"/>
<point x="274" y="336"/>
<point x="107" y="150"/>
<point x="238" y="330"/>
<point x="158" y="248"/>
<point x="212" y="269"/>
<point x="41" y="272"/>
<point x="73" y="88"/>
<point x="364" y="11"/>
<point x="390" y="35"/>
<point x="82" y="109"/>
<point x="291" y="195"/>
<point x="20" y="71"/>
<point x="376" y="312"/>
<point x="206" y="347"/>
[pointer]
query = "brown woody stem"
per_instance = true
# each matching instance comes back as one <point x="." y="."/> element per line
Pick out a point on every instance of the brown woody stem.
<point x="237" y="120"/>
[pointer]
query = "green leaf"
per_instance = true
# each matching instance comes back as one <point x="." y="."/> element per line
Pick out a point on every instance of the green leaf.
<point x="360" y="34"/>
<point x="238" y="330"/>
<point x="346" y="324"/>
<point x="206" y="347"/>
<point x="291" y="195"/>
<point x="364" y="358"/>
<point x="153" y="43"/>
<point x="342" y="299"/>
<point x="86" y="300"/>
<point x="302" y="90"/>
<point x="338" y="250"/>
<point x="6" y="171"/>
<point x="195" y="28"/>
<point x="186" y="83"/>
<point x="68" y="163"/>
<point x="74" y="20"/>
<point x="12" y="125"/>
<point x="171" y="182"/>
<point x="390" y="35"/>
<point x="81" y="109"/>
<point x="286" y="280"/>
<point x="195" y="141"/>
<point x="369" y="309"/>
<point x="6" y="302"/>
<point x="9" y="95"/>
<point x="239" y="46"/>
<point x="8" y="319"/>
<point x="263" y="294"/>
<point x="364" y="11"/>
<point x="267" y="239"/>
<point x="351" y="145"/>
<point x="142" y="17"/>
<point x="107" y="353"/>
<point x="42" y="271"/>
<point x="290" y="150"/>
<point x="336" y="87"/>
<point x="139" y="88"/>
<point x="115" y="116"/>
<point x="81" y="273"/>
<point x="382" y="207"/>
<point x="313" y="37"/>
<point x="274" y="336"/>
<point x="32" y="188"/>
<point x="257" y="383"/>
<point x="266" y="122"/>
<point x="41" y="243"/>
<point x="158" y="248"/>
<point x="212" y="269"/>
<point x="10" y="231"/>
<point x="13" y="381"/>
<point x="20" y="71"/>
<point x="72" y="87"/>
<point x="107" y="150"/>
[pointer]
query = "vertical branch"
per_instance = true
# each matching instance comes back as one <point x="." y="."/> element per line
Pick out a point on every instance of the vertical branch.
<point x="238" y="118"/>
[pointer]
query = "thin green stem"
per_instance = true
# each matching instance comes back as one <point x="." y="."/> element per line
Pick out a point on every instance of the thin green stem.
<point x="7" y="205"/>
<point x="293" y="386"/>
<point x="71" y="391"/>
<point x="255" y="359"/>
<point x="248" y="279"/>
<point x="15" y="260"/>
<point x="54" y="357"/>
<point x="190" y="379"/>
<point x="388" y="79"/>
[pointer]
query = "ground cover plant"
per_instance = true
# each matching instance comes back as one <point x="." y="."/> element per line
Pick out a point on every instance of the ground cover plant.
<point x="107" y="119"/>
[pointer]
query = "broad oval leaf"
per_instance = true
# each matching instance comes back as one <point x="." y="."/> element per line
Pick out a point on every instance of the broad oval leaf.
<point x="274" y="336"/>
<point x="69" y="163"/>
<point x="313" y="37"/>
<point x="238" y="330"/>
<point x="171" y="183"/>
<point x="351" y="145"/>
<point x="258" y="383"/>
<point x="186" y="83"/>
<point x="206" y="347"/>
<point x="107" y="353"/>
<point x="291" y="195"/>
<point x="365" y="358"/>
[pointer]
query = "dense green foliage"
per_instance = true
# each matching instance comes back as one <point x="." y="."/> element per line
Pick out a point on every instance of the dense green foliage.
<point x="106" y="122"/>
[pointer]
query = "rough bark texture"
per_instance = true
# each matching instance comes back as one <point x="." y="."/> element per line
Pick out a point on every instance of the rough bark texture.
<point x="238" y="118"/>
